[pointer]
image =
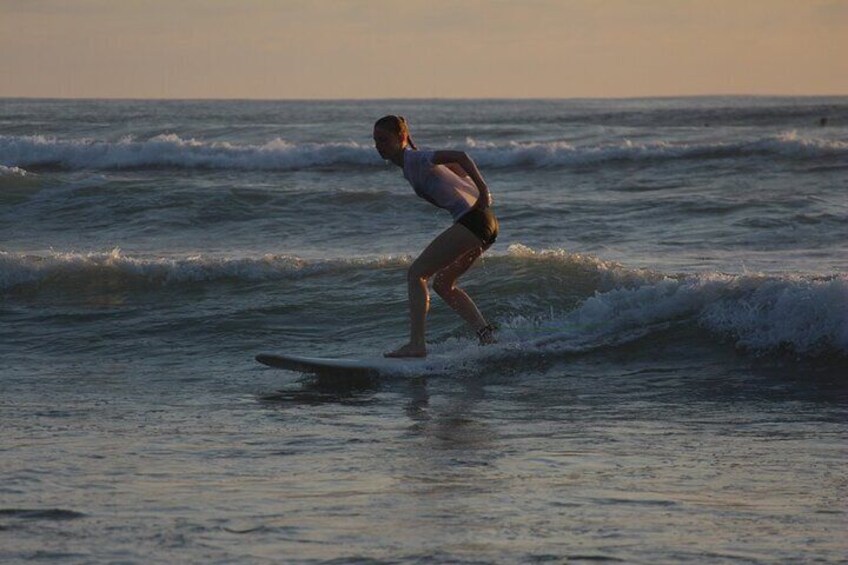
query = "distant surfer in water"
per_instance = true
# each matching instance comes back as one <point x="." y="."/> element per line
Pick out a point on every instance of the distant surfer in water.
<point x="449" y="180"/>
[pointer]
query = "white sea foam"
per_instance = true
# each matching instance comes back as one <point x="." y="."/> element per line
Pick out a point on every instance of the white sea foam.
<point x="805" y="315"/>
<point x="12" y="171"/>
<point x="763" y="313"/>
<point x="170" y="150"/>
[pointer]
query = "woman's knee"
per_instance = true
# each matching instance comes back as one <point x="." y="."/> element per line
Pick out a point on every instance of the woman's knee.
<point x="443" y="285"/>
<point x="416" y="273"/>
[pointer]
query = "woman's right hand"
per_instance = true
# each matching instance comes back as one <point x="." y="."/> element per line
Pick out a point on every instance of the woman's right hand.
<point x="484" y="201"/>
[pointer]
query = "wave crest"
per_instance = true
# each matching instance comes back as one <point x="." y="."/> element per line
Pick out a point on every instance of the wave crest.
<point x="171" y="151"/>
<point x="68" y="270"/>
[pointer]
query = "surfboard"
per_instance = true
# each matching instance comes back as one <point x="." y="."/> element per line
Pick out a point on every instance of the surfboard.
<point x="370" y="366"/>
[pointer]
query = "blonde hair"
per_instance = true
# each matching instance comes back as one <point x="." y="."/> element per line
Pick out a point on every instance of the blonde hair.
<point x="396" y="125"/>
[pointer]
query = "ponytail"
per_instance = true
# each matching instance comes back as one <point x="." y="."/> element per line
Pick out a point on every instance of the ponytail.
<point x="397" y="125"/>
<point x="405" y="126"/>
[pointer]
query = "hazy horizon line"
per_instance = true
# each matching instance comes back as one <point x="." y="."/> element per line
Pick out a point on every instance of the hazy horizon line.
<point x="421" y="98"/>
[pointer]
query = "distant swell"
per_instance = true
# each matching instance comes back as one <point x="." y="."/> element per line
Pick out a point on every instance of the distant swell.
<point x="560" y="153"/>
<point x="172" y="151"/>
<point x="804" y="314"/>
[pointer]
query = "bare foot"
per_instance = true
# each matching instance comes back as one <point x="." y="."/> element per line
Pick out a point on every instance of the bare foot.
<point x="407" y="350"/>
<point x="486" y="335"/>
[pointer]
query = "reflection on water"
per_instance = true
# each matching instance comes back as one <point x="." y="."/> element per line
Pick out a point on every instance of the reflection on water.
<point x="326" y="389"/>
<point x="567" y="454"/>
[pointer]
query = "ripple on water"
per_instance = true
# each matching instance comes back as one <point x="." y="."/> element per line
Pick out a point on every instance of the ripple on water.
<point x="55" y="514"/>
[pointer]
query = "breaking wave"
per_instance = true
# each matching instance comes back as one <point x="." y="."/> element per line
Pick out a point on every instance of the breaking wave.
<point x="803" y="314"/>
<point x="807" y="316"/>
<point x="172" y="151"/>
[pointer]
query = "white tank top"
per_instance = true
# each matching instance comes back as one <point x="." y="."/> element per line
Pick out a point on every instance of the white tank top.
<point x="438" y="184"/>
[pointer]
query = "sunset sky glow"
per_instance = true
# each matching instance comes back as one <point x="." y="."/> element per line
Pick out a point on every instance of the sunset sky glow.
<point x="421" y="48"/>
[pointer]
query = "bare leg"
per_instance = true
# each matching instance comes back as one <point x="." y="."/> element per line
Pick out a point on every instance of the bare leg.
<point x="445" y="285"/>
<point x="450" y="245"/>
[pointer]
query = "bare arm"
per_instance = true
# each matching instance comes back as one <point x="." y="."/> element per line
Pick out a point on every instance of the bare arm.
<point x="457" y="169"/>
<point x="460" y="159"/>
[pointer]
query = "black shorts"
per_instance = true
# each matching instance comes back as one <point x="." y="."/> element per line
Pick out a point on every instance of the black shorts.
<point x="481" y="223"/>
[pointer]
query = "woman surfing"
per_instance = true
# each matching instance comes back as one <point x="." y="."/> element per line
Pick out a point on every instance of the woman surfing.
<point x="449" y="180"/>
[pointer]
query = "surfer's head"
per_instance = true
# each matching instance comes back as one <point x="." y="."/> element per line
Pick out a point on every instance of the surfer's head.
<point x="391" y="136"/>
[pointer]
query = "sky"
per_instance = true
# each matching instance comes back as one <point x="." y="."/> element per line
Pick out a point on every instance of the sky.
<point x="307" y="49"/>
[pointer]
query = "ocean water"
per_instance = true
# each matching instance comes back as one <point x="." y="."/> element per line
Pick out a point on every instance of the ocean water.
<point x="683" y="262"/>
